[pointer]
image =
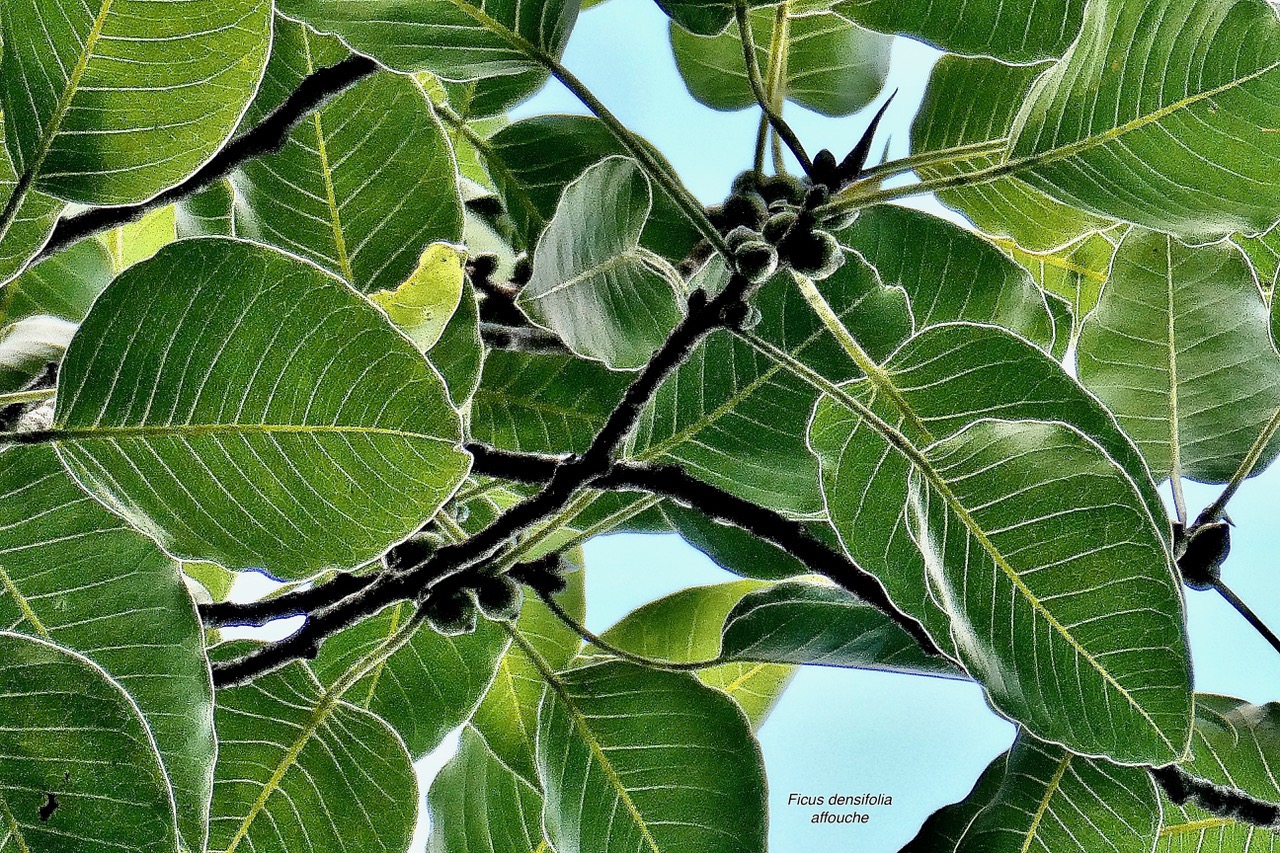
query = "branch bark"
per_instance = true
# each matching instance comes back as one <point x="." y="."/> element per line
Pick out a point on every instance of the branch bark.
<point x="1233" y="803"/>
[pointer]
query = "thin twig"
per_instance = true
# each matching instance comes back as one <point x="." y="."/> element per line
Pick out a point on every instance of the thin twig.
<point x="1244" y="610"/>
<point x="267" y="136"/>
<point x="763" y="98"/>
<point x="1214" y="511"/>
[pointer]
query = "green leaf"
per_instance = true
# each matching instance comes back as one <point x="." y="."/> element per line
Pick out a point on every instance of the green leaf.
<point x="949" y="273"/>
<point x="685" y="627"/>
<point x="208" y="213"/>
<point x="1235" y="745"/>
<point x="1074" y="273"/>
<point x="531" y="162"/>
<point x="459" y="353"/>
<point x="98" y="108"/>
<point x="428" y="686"/>
<point x="942" y="831"/>
<point x="71" y="737"/>
<point x="971" y="101"/>
<point x="248" y="429"/>
<point x="476" y="797"/>
<point x="27" y="228"/>
<point x="736" y="418"/>
<point x="1263" y="252"/>
<point x="363" y="184"/>
<point x="731" y="548"/>
<point x="1052" y="799"/>
<point x="1017" y="570"/>
<point x="73" y="574"/>
<point x="543" y="403"/>
<point x="63" y="285"/>
<point x="423" y="303"/>
<point x="592" y="284"/>
<point x="137" y="241"/>
<point x="1021" y="31"/>
<point x="454" y="39"/>
<point x="1096" y="127"/>
<point x="1178" y="347"/>
<point x="639" y="759"/>
<point x="799" y="622"/>
<point x="301" y="770"/>
<point x="949" y="376"/>
<point x="507" y="717"/>
<point x="833" y="66"/>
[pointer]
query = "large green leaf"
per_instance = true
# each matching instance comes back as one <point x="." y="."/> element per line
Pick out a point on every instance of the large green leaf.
<point x="543" y="403"/>
<point x="1016" y="559"/>
<point x="459" y="353"/>
<point x="685" y="627"/>
<point x="363" y="184"/>
<point x="78" y="769"/>
<point x="1096" y="128"/>
<point x="639" y="759"/>
<point x="1235" y="744"/>
<point x="832" y="65"/>
<point x="799" y="622"/>
<point x="73" y="573"/>
<point x="454" y="39"/>
<point x="507" y="717"/>
<point x="100" y="109"/>
<point x="733" y="416"/>
<point x="1020" y="31"/>
<point x="301" y="770"/>
<point x="949" y="273"/>
<point x="592" y="284"/>
<point x="1052" y="799"/>
<point x="1263" y="252"/>
<point x="248" y="427"/>
<point x="732" y="548"/>
<point x="141" y="239"/>
<point x="476" y="799"/>
<point x="1075" y="274"/>
<point x="975" y="100"/>
<point x="424" y="690"/>
<point x="1179" y="348"/>
<point x="949" y="376"/>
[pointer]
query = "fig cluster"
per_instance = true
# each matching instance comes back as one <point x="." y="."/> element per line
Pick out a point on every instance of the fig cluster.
<point x="454" y="607"/>
<point x="769" y="222"/>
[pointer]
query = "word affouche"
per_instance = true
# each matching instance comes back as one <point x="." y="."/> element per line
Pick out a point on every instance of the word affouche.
<point x="287" y="291"/>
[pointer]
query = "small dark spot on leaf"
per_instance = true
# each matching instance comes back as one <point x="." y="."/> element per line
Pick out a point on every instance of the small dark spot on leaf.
<point x="50" y="806"/>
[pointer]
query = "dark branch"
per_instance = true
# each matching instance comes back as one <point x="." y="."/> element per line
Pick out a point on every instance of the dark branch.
<point x="1181" y="787"/>
<point x="266" y="137"/>
<point x="572" y="473"/>
<point x="673" y="482"/>
<point x="522" y="338"/>
<point x="301" y="602"/>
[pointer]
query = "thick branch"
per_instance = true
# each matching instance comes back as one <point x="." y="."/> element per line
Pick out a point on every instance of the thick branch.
<point x="571" y="474"/>
<point x="266" y="137"/>
<point x="673" y="482"/>
<point x="1181" y="787"/>
<point x="301" y="602"/>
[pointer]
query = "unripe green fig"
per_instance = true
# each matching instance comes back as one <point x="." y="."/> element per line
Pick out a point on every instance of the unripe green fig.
<point x="747" y="209"/>
<point x="816" y="254"/>
<point x="745" y="182"/>
<point x="499" y="598"/>
<point x="787" y="188"/>
<point x="755" y="260"/>
<point x="1206" y="550"/>
<point x="740" y="235"/>
<point x="450" y="612"/>
<point x="777" y="226"/>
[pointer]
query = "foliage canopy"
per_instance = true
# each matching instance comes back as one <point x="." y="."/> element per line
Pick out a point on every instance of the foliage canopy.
<point x="283" y="288"/>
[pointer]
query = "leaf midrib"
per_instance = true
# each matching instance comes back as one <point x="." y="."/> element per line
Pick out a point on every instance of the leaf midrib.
<point x="57" y="435"/>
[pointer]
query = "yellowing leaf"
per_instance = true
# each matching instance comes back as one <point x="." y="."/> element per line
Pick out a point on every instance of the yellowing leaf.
<point x="423" y="304"/>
